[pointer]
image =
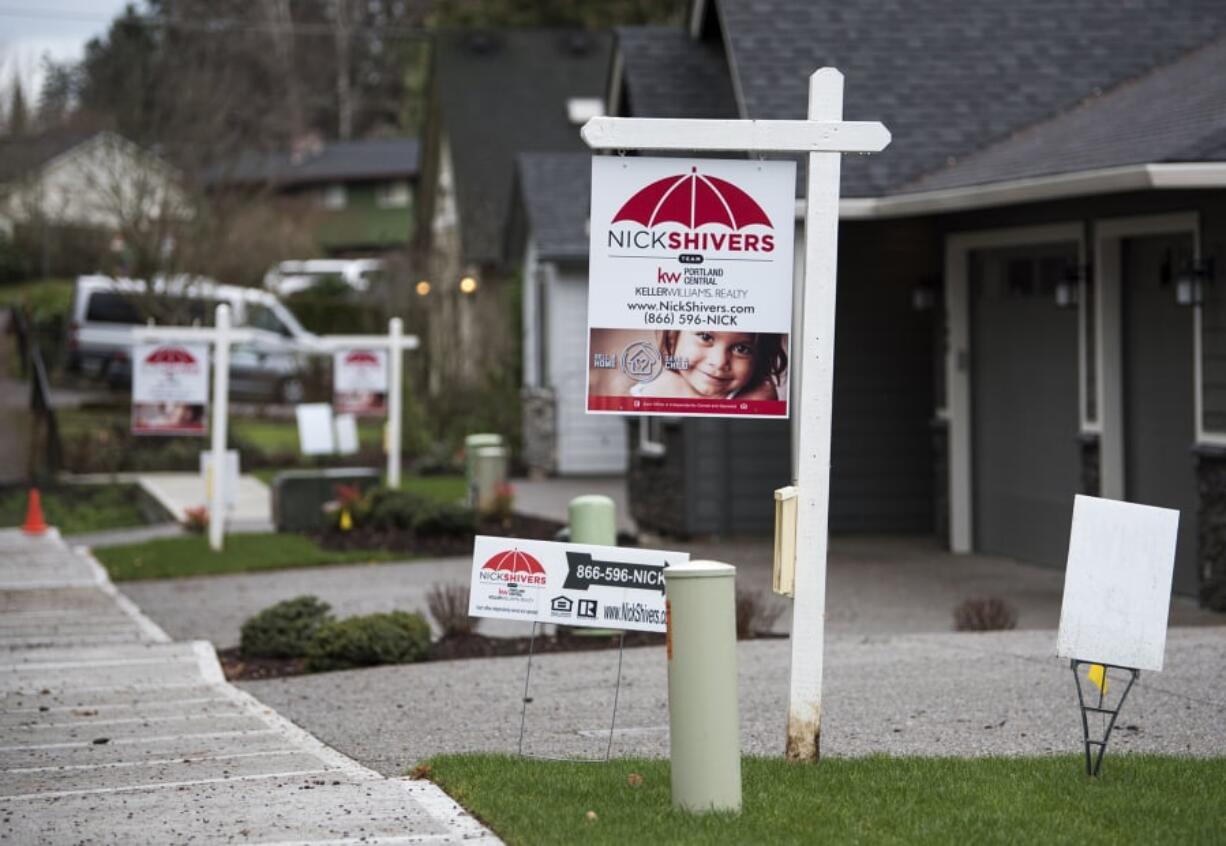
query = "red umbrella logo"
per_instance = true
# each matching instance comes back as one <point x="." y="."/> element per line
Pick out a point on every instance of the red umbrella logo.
<point x="362" y="357"/>
<point x="514" y="562"/>
<point x="170" y="355"/>
<point x="693" y="199"/>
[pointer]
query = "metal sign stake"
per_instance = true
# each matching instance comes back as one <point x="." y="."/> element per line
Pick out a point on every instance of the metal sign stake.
<point x="1094" y="763"/>
<point x="523" y="712"/>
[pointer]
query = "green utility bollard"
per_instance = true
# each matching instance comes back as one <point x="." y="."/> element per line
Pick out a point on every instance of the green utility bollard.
<point x="473" y="443"/>
<point x="703" y="720"/>
<point x="593" y="519"/>
<point x="489" y="473"/>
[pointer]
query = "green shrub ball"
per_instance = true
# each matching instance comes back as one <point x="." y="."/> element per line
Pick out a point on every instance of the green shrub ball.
<point x="284" y="630"/>
<point x="396" y="637"/>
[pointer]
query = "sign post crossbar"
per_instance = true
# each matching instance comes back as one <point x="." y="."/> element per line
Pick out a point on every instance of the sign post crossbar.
<point x="824" y="136"/>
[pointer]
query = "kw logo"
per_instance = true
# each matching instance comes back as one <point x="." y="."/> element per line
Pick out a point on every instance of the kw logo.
<point x="663" y="276"/>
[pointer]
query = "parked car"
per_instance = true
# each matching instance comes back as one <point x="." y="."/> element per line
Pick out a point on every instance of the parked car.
<point x="274" y="365"/>
<point x="292" y="277"/>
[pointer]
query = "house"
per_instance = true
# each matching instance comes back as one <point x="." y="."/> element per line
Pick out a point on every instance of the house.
<point x="1027" y="306"/>
<point x="71" y="198"/>
<point x="493" y="96"/>
<point x="547" y="233"/>
<point x="361" y="193"/>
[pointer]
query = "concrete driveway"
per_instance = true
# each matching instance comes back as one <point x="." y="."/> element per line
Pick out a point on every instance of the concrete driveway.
<point x="876" y="586"/>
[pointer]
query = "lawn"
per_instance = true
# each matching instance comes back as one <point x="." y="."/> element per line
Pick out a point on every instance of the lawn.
<point x="168" y="558"/>
<point x="79" y="509"/>
<point x="1140" y="799"/>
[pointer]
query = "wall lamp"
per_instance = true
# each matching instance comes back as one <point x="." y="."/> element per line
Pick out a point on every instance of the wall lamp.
<point x="468" y="285"/>
<point x="422" y="288"/>
<point x="1191" y="281"/>
<point x="924" y="295"/>
<point x="1068" y="288"/>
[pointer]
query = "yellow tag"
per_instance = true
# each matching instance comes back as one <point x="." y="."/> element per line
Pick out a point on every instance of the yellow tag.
<point x="346" y="520"/>
<point x="1098" y="675"/>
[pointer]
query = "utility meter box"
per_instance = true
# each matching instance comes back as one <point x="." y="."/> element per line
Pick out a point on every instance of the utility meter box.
<point x="786" y="502"/>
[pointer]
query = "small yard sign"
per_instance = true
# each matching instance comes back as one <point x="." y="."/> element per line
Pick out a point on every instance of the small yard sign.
<point x="170" y="388"/>
<point x="690" y="295"/>
<point x="572" y="584"/>
<point x="359" y="381"/>
<point x="1117" y="588"/>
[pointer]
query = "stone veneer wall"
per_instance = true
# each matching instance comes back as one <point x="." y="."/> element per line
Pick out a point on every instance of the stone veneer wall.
<point x="1211" y="480"/>
<point x="656" y="483"/>
<point x="540" y="430"/>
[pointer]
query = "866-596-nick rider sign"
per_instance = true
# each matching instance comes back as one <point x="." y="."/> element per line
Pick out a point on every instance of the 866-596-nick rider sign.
<point x="690" y="298"/>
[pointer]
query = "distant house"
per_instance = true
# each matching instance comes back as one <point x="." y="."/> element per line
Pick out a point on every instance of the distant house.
<point x="87" y="188"/>
<point x="1031" y="297"/>
<point x="493" y="96"/>
<point x="549" y="234"/>
<point x="363" y="193"/>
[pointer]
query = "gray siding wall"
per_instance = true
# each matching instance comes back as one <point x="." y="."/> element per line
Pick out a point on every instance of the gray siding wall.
<point x="881" y="466"/>
<point x="1213" y="313"/>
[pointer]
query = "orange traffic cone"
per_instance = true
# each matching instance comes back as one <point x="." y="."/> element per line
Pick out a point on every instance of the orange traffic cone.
<point x="34" y="524"/>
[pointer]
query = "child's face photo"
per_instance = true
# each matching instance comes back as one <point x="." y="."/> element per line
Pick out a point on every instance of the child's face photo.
<point x="716" y="364"/>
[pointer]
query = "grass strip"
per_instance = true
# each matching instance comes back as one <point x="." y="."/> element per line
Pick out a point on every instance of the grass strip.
<point x="77" y="510"/>
<point x="169" y="558"/>
<point x="1140" y="799"/>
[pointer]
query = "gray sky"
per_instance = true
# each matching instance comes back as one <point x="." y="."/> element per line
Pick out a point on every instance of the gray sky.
<point x="60" y="28"/>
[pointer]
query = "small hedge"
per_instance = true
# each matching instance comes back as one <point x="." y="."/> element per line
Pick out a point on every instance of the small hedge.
<point x="396" y="637"/>
<point x="387" y="509"/>
<point x="284" y="630"/>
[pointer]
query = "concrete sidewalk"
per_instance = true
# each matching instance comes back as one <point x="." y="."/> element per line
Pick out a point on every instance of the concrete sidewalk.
<point x="110" y="732"/>
<point x="177" y="492"/>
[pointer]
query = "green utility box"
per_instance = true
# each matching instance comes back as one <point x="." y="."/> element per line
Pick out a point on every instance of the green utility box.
<point x="298" y="496"/>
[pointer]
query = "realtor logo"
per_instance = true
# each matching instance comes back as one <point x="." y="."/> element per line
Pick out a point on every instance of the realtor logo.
<point x="587" y="608"/>
<point x="642" y="362"/>
<point x="561" y="606"/>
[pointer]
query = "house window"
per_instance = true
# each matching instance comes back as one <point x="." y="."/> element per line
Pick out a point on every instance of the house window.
<point x="332" y="197"/>
<point x="393" y="195"/>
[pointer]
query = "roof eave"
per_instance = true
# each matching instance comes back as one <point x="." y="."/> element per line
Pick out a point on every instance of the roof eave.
<point x="1112" y="180"/>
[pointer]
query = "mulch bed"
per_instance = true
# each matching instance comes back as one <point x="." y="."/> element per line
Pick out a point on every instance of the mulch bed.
<point x="457" y="647"/>
<point x="515" y="526"/>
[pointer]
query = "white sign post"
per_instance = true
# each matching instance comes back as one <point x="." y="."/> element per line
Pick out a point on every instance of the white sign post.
<point x="824" y="136"/>
<point x="221" y="336"/>
<point x="395" y="342"/>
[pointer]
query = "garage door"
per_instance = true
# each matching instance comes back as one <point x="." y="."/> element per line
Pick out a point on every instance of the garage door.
<point x="1026" y="457"/>
<point x="1159" y="428"/>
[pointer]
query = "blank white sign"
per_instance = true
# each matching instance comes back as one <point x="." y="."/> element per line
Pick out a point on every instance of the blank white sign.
<point x="346" y="434"/>
<point x="315" y="436"/>
<point x="1117" y="587"/>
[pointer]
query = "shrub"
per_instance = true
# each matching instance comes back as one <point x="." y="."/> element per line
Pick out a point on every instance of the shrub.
<point x="984" y="615"/>
<point x="284" y="630"/>
<point x="384" y="509"/>
<point x="448" y="604"/>
<point x="396" y="637"/>
<point x="755" y="613"/>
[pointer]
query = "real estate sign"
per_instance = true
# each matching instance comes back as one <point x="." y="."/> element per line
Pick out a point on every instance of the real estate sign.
<point x="170" y="388"/>
<point x="690" y="292"/>
<point x="572" y="584"/>
<point x="359" y="381"/>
